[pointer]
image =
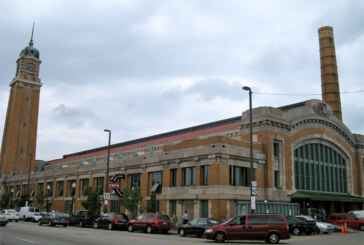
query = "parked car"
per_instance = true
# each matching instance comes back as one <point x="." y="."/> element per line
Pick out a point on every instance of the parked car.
<point x="53" y="219"/>
<point x="27" y="213"/>
<point x="83" y="218"/>
<point x="3" y="220"/>
<point x="11" y="214"/>
<point x="269" y="227"/>
<point x="197" y="226"/>
<point x="150" y="222"/>
<point x="296" y="226"/>
<point x="309" y="224"/>
<point x="112" y="221"/>
<point x="323" y="227"/>
<point x="37" y="216"/>
<point x="351" y="219"/>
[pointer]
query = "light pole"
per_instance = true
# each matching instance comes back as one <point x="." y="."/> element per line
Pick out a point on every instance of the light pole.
<point x="11" y="198"/>
<point x="30" y="164"/>
<point x="47" y="205"/>
<point x="252" y="176"/>
<point x="107" y="168"/>
<point x="73" y="195"/>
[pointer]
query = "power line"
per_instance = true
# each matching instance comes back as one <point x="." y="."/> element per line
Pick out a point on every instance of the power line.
<point x="352" y="92"/>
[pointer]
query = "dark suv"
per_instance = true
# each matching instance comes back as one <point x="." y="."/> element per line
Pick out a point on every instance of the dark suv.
<point x="82" y="218"/>
<point x="111" y="221"/>
<point x="150" y="222"/>
<point x="268" y="227"/>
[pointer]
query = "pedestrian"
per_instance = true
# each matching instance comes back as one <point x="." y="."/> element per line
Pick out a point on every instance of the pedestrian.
<point x="174" y="221"/>
<point x="185" y="218"/>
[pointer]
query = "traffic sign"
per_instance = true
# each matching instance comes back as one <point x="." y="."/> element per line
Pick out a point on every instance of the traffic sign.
<point x="106" y="196"/>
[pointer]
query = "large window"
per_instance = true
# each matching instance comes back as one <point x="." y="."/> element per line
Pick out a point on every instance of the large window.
<point x="115" y="206"/>
<point x="204" y="175"/>
<point x="239" y="176"/>
<point x="156" y="182"/>
<point x="84" y="187"/>
<point x="50" y="190"/>
<point x="99" y="183"/>
<point x="189" y="176"/>
<point x="60" y="185"/>
<point x="204" y="209"/>
<point x="71" y="190"/>
<point x="318" y="167"/>
<point x="134" y="180"/>
<point x="173" y="177"/>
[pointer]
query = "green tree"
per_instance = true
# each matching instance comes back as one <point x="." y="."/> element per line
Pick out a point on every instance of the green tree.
<point x="22" y="200"/>
<point x="5" y="200"/>
<point x="131" y="199"/>
<point x="40" y="198"/>
<point x="93" y="202"/>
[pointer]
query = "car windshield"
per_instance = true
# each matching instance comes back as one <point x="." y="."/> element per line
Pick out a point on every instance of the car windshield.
<point x="359" y="215"/>
<point x="227" y="221"/>
<point x="215" y="221"/>
<point x="11" y="211"/>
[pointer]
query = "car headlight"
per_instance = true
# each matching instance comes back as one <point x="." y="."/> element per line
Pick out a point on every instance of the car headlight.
<point x="209" y="230"/>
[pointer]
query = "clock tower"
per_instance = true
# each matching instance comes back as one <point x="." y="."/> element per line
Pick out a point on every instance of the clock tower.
<point x="20" y="130"/>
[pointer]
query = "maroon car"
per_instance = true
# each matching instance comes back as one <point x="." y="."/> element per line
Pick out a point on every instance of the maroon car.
<point x="268" y="227"/>
<point x="150" y="222"/>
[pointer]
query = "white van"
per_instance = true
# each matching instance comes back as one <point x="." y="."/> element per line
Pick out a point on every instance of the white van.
<point x="28" y="213"/>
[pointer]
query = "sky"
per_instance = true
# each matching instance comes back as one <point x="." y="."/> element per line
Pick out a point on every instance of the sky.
<point x="140" y="68"/>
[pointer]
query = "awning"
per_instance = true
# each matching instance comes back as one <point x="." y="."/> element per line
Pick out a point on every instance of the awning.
<point x="326" y="197"/>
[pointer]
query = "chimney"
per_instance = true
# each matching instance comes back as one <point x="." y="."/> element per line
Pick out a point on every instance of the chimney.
<point x="329" y="77"/>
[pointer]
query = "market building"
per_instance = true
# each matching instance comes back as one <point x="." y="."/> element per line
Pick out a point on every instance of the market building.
<point x="304" y="157"/>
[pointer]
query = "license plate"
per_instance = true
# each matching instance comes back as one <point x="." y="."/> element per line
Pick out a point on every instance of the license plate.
<point x="164" y="223"/>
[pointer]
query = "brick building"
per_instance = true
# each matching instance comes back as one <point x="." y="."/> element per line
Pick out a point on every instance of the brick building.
<point x="302" y="153"/>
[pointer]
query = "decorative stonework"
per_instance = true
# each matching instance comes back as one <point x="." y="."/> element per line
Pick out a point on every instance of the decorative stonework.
<point x="321" y="109"/>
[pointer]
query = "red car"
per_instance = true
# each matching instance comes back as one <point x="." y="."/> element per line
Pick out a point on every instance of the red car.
<point x="150" y="222"/>
<point x="352" y="219"/>
<point x="268" y="227"/>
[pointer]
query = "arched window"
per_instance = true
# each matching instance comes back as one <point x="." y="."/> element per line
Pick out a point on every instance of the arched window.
<point x="318" y="167"/>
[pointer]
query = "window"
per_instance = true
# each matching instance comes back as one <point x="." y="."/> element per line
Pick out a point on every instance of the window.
<point x="189" y="176"/>
<point x="115" y="206"/>
<point x="156" y="182"/>
<point x="204" y="209"/>
<point x="318" y="167"/>
<point x="239" y="176"/>
<point x="68" y="207"/>
<point x="60" y="185"/>
<point x="152" y="207"/>
<point x="172" y="207"/>
<point x="275" y="149"/>
<point x="204" y="175"/>
<point x="134" y="180"/>
<point x="173" y="177"/>
<point x="99" y="183"/>
<point x="40" y="188"/>
<point x="84" y="187"/>
<point x="276" y="178"/>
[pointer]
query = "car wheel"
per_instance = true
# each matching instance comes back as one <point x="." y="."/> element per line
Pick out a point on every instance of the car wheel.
<point x="273" y="238"/>
<point x="39" y="222"/>
<point x="130" y="228"/>
<point x="181" y="232"/>
<point x="149" y="229"/>
<point x="96" y="225"/>
<point x="361" y="227"/>
<point x="81" y="223"/>
<point x="220" y="237"/>
<point x="110" y="226"/>
<point x="296" y="231"/>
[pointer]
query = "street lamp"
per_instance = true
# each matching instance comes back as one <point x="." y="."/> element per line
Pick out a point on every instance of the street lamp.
<point x="107" y="168"/>
<point x="30" y="164"/>
<point x="11" y="198"/>
<point x="252" y="176"/>
<point x="47" y="206"/>
<point x="73" y="195"/>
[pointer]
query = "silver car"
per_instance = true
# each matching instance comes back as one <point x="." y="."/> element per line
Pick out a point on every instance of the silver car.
<point x="3" y="220"/>
<point x="324" y="227"/>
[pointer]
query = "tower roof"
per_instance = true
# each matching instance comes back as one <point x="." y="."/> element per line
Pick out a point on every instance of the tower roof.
<point x="30" y="50"/>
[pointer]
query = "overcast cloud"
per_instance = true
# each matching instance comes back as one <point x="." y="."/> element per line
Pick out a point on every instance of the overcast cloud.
<point x="141" y="68"/>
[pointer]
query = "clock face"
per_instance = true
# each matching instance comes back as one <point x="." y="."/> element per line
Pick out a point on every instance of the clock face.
<point x="30" y="67"/>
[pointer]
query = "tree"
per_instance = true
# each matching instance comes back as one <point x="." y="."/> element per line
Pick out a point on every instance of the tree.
<point x="5" y="199"/>
<point x="40" y="198"/>
<point x="22" y="200"/>
<point x="93" y="202"/>
<point x="131" y="199"/>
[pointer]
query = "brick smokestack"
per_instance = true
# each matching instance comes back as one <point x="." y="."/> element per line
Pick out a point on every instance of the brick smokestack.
<point x="329" y="77"/>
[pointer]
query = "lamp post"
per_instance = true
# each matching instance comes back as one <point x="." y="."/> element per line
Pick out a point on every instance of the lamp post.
<point x="252" y="176"/>
<point x="73" y="195"/>
<point x="30" y="164"/>
<point x="107" y="168"/>
<point x="11" y="198"/>
<point x="47" y="206"/>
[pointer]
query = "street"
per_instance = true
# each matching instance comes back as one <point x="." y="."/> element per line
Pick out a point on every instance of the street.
<point x="26" y="233"/>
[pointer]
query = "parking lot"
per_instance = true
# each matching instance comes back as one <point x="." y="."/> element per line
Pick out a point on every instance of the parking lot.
<point x="32" y="233"/>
